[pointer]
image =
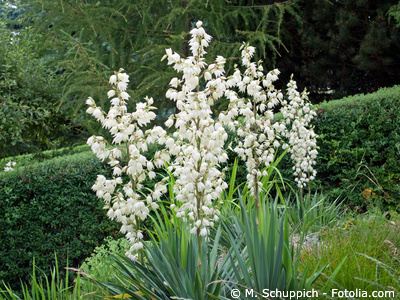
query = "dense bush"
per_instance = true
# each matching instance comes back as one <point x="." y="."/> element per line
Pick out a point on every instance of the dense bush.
<point x="360" y="148"/>
<point x="31" y="118"/>
<point x="48" y="207"/>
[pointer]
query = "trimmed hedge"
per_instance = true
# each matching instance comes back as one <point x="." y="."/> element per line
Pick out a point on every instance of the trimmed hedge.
<point x="26" y="159"/>
<point x="359" y="140"/>
<point x="48" y="208"/>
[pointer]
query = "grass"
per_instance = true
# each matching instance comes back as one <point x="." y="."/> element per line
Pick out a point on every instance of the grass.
<point x="313" y="213"/>
<point x="370" y="245"/>
<point x="43" y="287"/>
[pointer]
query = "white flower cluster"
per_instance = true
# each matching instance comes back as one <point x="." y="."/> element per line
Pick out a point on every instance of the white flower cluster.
<point x="198" y="142"/>
<point x="256" y="127"/>
<point x="261" y="131"/>
<point x="126" y="198"/>
<point x="302" y="139"/>
<point x="10" y="166"/>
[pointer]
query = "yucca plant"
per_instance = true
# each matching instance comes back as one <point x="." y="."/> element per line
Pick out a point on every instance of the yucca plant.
<point x="273" y="183"/>
<point x="175" y="264"/>
<point x="43" y="287"/>
<point x="313" y="212"/>
<point x="248" y="250"/>
<point x="260" y="254"/>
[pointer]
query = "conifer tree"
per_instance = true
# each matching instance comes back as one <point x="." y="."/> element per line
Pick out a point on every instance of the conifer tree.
<point x="93" y="37"/>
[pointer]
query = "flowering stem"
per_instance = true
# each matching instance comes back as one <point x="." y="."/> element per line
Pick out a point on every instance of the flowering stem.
<point x="256" y="188"/>
<point x="256" y="193"/>
<point x="301" y="195"/>
<point x="199" y="243"/>
<point x="140" y="254"/>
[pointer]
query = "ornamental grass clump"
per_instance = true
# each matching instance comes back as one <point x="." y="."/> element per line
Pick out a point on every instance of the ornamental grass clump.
<point x="194" y="153"/>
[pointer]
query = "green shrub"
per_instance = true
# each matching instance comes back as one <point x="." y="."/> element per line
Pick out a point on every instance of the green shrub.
<point x="49" y="207"/>
<point x="30" y="117"/>
<point x="359" y="140"/>
<point x="359" y="150"/>
<point x="100" y="264"/>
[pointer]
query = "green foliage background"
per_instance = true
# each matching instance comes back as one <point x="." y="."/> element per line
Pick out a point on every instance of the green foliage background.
<point x="56" y="53"/>
<point x="48" y="208"/>
<point x="360" y="148"/>
<point x="29" y="118"/>
<point x="87" y="40"/>
<point x="344" y="47"/>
